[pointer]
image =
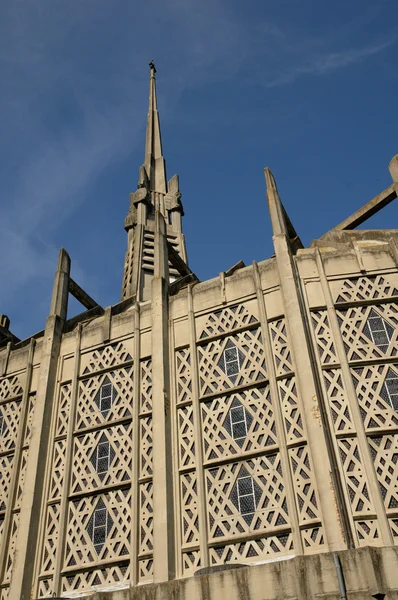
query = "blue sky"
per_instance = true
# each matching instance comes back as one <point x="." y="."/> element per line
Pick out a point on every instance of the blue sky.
<point x="306" y="88"/>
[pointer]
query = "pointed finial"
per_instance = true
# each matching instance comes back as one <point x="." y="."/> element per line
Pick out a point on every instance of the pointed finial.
<point x="281" y="224"/>
<point x="154" y="161"/>
<point x="270" y="179"/>
<point x="274" y="204"/>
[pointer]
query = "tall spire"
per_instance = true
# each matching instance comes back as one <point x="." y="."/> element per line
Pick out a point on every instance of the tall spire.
<point x="153" y="223"/>
<point x="154" y="162"/>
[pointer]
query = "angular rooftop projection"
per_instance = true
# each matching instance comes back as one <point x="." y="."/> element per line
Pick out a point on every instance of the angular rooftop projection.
<point x="370" y="208"/>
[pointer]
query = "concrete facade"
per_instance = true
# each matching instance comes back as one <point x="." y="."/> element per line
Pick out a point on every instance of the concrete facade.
<point x="247" y="420"/>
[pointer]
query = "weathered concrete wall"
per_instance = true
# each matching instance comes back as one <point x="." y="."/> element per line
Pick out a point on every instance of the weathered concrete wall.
<point x="319" y="439"/>
<point x="367" y="571"/>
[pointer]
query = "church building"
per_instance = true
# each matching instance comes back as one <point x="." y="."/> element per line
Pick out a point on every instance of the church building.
<point x="229" y="439"/>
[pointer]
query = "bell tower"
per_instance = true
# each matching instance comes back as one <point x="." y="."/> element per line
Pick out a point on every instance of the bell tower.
<point x="154" y="193"/>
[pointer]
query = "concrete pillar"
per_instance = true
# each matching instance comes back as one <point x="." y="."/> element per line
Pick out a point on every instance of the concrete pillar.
<point x="163" y="502"/>
<point x="294" y="311"/>
<point x="200" y="473"/>
<point x="135" y="500"/>
<point x="63" y="511"/>
<point x="310" y="392"/>
<point x="59" y="299"/>
<point x="286" y="469"/>
<point x="21" y="579"/>
<point x="13" y="487"/>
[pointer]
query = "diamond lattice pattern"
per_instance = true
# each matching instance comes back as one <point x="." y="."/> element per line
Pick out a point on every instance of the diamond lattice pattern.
<point x="338" y="401"/>
<point x="259" y="428"/>
<point x="384" y="451"/>
<point x="104" y="358"/>
<point x="225" y="519"/>
<point x="82" y="547"/>
<point x="280" y="347"/>
<point x="324" y="337"/>
<point x="355" y="476"/>
<point x="98" y="578"/>
<point x="293" y="421"/>
<point x="304" y="484"/>
<point x="88" y="409"/>
<point x="189" y="503"/>
<point x="226" y="320"/>
<point x="9" y="425"/>
<point x="186" y="436"/>
<point x="99" y="525"/>
<point x="183" y="375"/>
<point x="376" y="387"/>
<point x="11" y="387"/>
<point x="249" y="358"/>
<point x="252" y="550"/>
<point x="369" y="332"/>
<point x="366" y="288"/>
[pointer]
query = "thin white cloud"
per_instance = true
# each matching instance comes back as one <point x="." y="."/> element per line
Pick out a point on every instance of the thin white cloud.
<point x="53" y="166"/>
<point x="329" y="62"/>
<point x="50" y="187"/>
<point x="57" y="167"/>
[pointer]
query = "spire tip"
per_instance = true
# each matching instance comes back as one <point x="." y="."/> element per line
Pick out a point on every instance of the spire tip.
<point x="152" y="67"/>
<point x="270" y="179"/>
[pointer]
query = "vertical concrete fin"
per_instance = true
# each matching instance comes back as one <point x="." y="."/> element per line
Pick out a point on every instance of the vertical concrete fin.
<point x="59" y="300"/>
<point x="174" y="184"/>
<point x="161" y="261"/>
<point x="274" y="204"/>
<point x="281" y="224"/>
<point x="163" y="503"/>
<point x="154" y="161"/>
<point x="33" y="489"/>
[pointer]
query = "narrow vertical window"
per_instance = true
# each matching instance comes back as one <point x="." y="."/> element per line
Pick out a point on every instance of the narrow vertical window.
<point x="231" y="361"/>
<point x="103" y="457"/>
<point x="379" y="330"/>
<point x="106" y="398"/>
<point x="100" y="525"/>
<point x="238" y="421"/>
<point x="246" y="497"/>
